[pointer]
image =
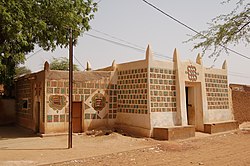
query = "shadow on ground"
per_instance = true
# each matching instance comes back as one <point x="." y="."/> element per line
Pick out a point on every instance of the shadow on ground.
<point x="35" y="149"/>
<point x="13" y="131"/>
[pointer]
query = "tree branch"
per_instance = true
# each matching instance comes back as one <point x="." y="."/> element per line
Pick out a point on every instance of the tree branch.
<point x="242" y="27"/>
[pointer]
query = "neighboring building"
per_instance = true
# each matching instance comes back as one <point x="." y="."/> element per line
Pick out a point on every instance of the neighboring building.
<point x="241" y="102"/>
<point x="146" y="97"/>
<point x="239" y="87"/>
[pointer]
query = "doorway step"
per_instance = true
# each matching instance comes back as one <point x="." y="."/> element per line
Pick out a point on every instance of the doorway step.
<point x="173" y="133"/>
<point x="220" y="126"/>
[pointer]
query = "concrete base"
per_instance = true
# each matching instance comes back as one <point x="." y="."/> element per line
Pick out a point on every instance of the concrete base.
<point x="173" y="133"/>
<point x="220" y="127"/>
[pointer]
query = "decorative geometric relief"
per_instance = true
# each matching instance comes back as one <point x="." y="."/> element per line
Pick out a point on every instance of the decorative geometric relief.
<point x="49" y="118"/>
<point x="98" y="101"/>
<point x="62" y="118"/>
<point x="86" y="106"/>
<point x="57" y="102"/>
<point x="56" y="118"/>
<point x="191" y="72"/>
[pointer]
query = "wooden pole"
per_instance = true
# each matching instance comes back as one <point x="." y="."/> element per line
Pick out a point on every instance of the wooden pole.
<point x="70" y="88"/>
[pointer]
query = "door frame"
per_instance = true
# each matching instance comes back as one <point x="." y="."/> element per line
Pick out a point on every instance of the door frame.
<point x="81" y="117"/>
<point x="38" y="116"/>
<point x="193" y="96"/>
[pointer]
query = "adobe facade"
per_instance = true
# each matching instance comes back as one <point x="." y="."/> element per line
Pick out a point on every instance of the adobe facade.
<point x="146" y="97"/>
<point x="241" y="102"/>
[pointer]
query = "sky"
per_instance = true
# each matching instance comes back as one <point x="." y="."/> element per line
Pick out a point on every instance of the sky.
<point x="134" y="22"/>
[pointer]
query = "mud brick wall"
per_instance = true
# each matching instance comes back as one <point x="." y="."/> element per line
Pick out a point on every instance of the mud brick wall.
<point x="132" y="88"/>
<point x="7" y="111"/>
<point x="24" y="92"/>
<point x="217" y="91"/>
<point x="241" y="104"/>
<point x="162" y="90"/>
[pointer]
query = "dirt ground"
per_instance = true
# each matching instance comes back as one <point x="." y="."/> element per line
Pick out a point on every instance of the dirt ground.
<point x="19" y="147"/>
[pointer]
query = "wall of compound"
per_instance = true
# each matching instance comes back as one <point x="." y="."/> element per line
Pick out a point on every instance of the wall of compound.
<point x="86" y="93"/>
<point x="29" y="92"/>
<point x="24" y="103"/>
<point x="7" y="111"/>
<point x="218" y="97"/>
<point x="132" y="85"/>
<point x="241" y="102"/>
<point x="162" y="95"/>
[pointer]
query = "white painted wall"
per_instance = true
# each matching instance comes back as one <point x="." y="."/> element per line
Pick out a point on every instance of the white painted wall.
<point x="135" y="120"/>
<point x="219" y="115"/>
<point x="163" y="119"/>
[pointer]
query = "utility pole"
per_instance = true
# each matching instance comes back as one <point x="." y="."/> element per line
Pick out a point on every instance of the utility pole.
<point x="70" y="88"/>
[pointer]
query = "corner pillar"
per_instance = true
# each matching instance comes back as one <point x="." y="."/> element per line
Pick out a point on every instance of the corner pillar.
<point x="180" y="91"/>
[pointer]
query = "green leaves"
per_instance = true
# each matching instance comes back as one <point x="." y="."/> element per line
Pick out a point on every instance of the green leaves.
<point x="25" y="23"/>
<point x="19" y="71"/>
<point x="225" y="30"/>
<point x="61" y="64"/>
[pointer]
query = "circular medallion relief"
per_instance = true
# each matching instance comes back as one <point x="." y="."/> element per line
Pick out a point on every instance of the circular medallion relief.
<point x="57" y="102"/>
<point x="98" y="101"/>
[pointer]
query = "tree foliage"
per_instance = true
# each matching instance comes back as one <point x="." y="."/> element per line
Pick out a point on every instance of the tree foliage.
<point x="62" y="64"/>
<point x="25" y="23"/>
<point x="19" y="71"/>
<point x="7" y="67"/>
<point x="232" y="28"/>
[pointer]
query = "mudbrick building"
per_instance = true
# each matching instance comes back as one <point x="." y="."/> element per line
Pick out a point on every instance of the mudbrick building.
<point x="241" y="102"/>
<point x="161" y="99"/>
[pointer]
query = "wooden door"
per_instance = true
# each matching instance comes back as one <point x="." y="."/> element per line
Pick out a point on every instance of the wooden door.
<point x="190" y="105"/>
<point x="77" y="117"/>
<point x="37" y="117"/>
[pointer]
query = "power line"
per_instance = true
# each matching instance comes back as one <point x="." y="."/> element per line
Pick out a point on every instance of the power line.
<point x="140" y="49"/>
<point x="114" y="42"/>
<point x="111" y="36"/>
<point x="192" y="29"/>
<point x="130" y="43"/>
<point x="236" y="75"/>
<point x="34" y="53"/>
<point x="53" y="57"/>
<point x="99" y="1"/>
<point x="79" y="62"/>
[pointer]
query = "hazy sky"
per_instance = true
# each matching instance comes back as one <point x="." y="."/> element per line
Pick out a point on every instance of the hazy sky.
<point x="136" y="22"/>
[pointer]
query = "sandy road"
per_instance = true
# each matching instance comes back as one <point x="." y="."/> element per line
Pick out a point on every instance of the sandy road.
<point x="19" y="147"/>
<point x="229" y="149"/>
